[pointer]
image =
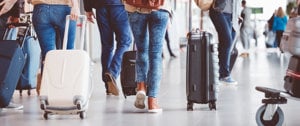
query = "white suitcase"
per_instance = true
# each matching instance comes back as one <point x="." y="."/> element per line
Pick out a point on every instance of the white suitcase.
<point x="65" y="86"/>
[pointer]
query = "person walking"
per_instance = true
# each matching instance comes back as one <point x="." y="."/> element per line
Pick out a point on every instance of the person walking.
<point x="246" y="28"/>
<point x="149" y="28"/>
<point x="112" y="19"/>
<point x="225" y="19"/>
<point x="279" y="25"/>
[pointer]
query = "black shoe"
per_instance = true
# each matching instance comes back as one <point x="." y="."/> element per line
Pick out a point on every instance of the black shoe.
<point x="112" y="87"/>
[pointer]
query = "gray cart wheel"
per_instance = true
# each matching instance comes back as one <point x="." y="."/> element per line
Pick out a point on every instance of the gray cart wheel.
<point x="277" y="119"/>
<point x="82" y="114"/>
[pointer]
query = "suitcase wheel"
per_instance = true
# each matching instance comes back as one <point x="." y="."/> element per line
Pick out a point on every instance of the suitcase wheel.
<point x="28" y="93"/>
<point x="82" y="114"/>
<point x="212" y="105"/>
<point x="43" y="105"/>
<point x="79" y="106"/>
<point x="46" y="115"/>
<point x="276" y="120"/>
<point x="190" y="106"/>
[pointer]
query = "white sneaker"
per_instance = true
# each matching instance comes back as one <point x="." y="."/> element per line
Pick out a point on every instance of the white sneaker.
<point x="13" y="106"/>
<point x="140" y="99"/>
<point x="228" y="81"/>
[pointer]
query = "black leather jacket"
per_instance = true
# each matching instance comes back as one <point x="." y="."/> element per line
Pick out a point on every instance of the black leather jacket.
<point x="89" y="4"/>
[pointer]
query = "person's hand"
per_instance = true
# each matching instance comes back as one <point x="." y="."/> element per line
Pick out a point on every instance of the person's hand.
<point x="90" y="16"/>
<point x="12" y="19"/>
<point x="6" y="6"/>
<point x="74" y="10"/>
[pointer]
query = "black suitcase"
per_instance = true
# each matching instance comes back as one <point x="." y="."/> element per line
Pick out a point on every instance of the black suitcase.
<point x="292" y="78"/>
<point x="128" y="83"/>
<point x="12" y="61"/>
<point x="202" y="70"/>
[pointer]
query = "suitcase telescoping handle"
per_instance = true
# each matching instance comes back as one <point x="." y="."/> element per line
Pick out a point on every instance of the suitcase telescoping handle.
<point x="16" y="25"/>
<point x="81" y="23"/>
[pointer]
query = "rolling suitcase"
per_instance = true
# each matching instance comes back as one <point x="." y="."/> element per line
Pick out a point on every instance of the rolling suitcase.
<point x="292" y="78"/>
<point x="31" y="48"/>
<point x="128" y="73"/>
<point x="28" y="79"/>
<point x="23" y="32"/>
<point x="65" y="86"/>
<point x="12" y="61"/>
<point x="202" y="75"/>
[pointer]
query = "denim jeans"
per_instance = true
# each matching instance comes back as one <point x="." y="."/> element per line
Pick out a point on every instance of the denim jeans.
<point x="223" y="25"/>
<point x="49" y="19"/>
<point x="113" y="20"/>
<point x="149" y="32"/>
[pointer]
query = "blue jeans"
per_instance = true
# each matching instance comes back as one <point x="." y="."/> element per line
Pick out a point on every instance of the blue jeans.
<point x="49" y="19"/>
<point x="223" y="25"/>
<point x="149" y="32"/>
<point x="113" y="20"/>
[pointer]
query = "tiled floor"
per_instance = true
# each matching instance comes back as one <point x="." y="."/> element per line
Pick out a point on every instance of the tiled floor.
<point x="236" y="105"/>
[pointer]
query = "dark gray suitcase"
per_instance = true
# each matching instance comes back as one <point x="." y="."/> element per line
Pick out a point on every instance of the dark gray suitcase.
<point x="202" y="70"/>
<point x="12" y="61"/>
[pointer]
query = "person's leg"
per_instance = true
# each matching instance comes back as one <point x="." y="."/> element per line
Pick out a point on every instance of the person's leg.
<point x="138" y="23"/>
<point x="43" y="28"/>
<point x="244" y="41"/>
<point x="279" y="34"/>
<point x="107" y="47"/>
<point x="223" y="25"/>
<point x="58" y="14"/>
<point x="121" y="27"/>
<point x="157" y="28"/>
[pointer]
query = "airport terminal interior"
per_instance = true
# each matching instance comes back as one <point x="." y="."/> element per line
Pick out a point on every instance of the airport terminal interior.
<point x="236" y="105"/>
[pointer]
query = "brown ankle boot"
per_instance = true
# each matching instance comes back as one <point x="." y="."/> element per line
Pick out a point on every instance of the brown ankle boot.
<point x="140" y="95"/>
<point x="153" y="105"/>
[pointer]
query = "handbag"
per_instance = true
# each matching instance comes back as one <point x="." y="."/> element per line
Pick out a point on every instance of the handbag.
<point x="149" y="4"/>
<point x="204" y="4"/>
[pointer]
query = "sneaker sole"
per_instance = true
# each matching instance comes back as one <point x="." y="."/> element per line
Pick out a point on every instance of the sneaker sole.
<point x="140" y="100"/>
<point x="225" y="83"/>
<point x="155" y="110"/>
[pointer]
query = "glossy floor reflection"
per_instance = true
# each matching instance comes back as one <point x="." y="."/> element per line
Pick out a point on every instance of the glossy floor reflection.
<point x="236" y="105"/>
